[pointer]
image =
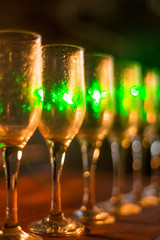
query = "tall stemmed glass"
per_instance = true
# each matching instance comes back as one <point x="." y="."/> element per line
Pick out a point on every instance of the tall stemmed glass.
<point x="62" y="115"/>
<point x="20" y="108"/>
<point x="126" y="123"/>
<point x="97" y="122"/>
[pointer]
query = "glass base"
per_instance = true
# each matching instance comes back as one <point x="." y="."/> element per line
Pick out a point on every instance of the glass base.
<point x="150" y="196"/>
<point x="149" y="201"/>
<point x="62" y="227"/>
<point x="126" y="206"/>
<point x="131" y="204"/>
<point x="93" y="216"/>
<point x="17" y="234"/>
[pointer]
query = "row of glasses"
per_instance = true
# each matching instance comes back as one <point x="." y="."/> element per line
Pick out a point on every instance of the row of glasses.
<point x="149" y="133"/>
<point x="146" y="105"/>
<point x="64" y="106"/>
<point x="23" y="63"/>
<point x="108" y="108"/>
<point x="126" y="125"/>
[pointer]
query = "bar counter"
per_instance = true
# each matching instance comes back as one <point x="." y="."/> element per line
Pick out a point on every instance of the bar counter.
<point x="34" y="195"/>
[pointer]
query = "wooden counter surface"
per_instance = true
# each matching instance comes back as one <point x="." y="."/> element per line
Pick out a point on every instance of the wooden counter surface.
<point x="34" y="195"/>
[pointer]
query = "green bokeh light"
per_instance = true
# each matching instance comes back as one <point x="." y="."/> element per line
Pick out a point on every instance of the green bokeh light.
<point x="1" y="108"/>
<point x="126" y="99"/>
<point x="94" y="97"/>
<point x="135" y="91"/>
<point x="38" y="93"/>
<point x="60" y="97"/>
<point x="26" y="108"/>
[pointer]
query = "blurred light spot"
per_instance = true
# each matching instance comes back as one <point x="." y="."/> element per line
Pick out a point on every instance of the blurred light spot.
<point x="19" y="155"/>
<point x="96" y="154"/>
<point x="67" y="98"/>
<point x="151" y="117"/>
<point x="126" y="143"/>
<point x="86" y="174"/>
<point x="96" y="95"/>
<point x="136" y="146"/>
<point x="137" y="164"/>
<point x="155" y="162"/>
<point x="83" y="208"/>
<point x="135" y="91"/>
<point x="155" y="148"/>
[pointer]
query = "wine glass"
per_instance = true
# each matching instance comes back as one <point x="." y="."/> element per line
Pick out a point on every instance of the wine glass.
<point x="20" y="109"/>
<point x="150" y="194"/>
<point x="126" y="124"/>
<point x="97" y="122"/>
<point x="62" y="115"/>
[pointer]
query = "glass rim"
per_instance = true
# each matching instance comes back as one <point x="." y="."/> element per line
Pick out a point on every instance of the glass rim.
<point x="102" y="55"/>
<point x="146" y="68"/>
<point x="62" y="45"/>
<point x="128" y="62"/>
<point x="35" y="35"/>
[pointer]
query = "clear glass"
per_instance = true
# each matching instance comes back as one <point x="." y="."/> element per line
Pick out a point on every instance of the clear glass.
<point x="97" y="122"/>
<point x="126" y="125"/>
<point x="62" y="115"/>
<point x="20" y="109"/>
<point x="150" y="126"/>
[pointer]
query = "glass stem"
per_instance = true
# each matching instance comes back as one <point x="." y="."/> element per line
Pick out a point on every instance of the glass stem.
<point x="57" y="156"/>
<point x="90" y="156"/>
<point x="11" y="162"/>
<point x="115" y="152"/>
<point x="137" y="165"/>
<point x="154" y="163"/>
<point x="118" y="157"/>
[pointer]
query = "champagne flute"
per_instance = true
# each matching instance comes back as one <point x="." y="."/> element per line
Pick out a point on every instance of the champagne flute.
<point x="20" y="109"/>
<point x="62" y="115"/>
<point x="97" y="122"/>
<point x="126" y="124"/>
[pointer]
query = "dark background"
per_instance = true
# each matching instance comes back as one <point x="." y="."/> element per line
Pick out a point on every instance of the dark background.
<point x="124" y="28"/>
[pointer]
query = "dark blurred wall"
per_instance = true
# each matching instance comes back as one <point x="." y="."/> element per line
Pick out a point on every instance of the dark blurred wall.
<point x="125" y="28"/>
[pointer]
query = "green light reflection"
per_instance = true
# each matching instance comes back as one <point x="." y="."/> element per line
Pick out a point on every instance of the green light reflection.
<point x="150" y="96"/>
<point x="135" y="91"/>
<point x="61" y="96"/>
<point x="124" y="99"/>
<point x="94" y="97"/>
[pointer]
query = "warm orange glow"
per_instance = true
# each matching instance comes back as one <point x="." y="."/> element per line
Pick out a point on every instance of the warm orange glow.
<point x="151" y="117"/>
<point x="96" y="154"/>
<point x="155" y="162"/>
<point x="137" y="164"/>
<point x="83" y="208"/>
<point x="86" y="174"/>
<point x="150" y="79"/>
<point x="131" y="131"/>
<point x="126" y="143"/>
<point x="133" y="117"/>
